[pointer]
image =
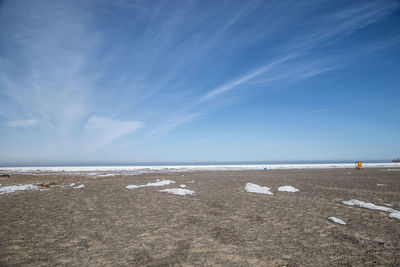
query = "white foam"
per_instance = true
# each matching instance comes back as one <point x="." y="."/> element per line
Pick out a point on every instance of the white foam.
<point x="288" y="188"/>
<point x="254" y="188"/>
<point x="79" y="186"/>
<point x="337" y="220"/>
<point x="158" y="183"/>
<point x="14" y="188"/>
<point x="179" y="191"/>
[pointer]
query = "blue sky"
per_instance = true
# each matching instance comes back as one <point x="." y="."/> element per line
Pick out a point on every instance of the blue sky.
<point x="181" y="81"/>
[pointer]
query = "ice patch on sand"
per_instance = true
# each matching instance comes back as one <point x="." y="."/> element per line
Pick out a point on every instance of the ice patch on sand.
<point x="288" y="188"/>
<point x="107" y="175"/>
<point x="14" y="188"/>
<point x="158" y="183"/>
<point x="354" y="202"/>
<point x="79" y="186"/>
<point x="179" y="191"/>
<point x="254" y="188"/>
<point x="337" y="220"/>
<point x="395" y="215"/>
<point x="381" y="184"/>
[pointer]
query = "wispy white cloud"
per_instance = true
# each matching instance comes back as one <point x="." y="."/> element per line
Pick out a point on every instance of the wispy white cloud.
<point x="103" y="130"/>
<point x="231" y="85"/>
<point x="174" y="121"/>
<point x="47" y="73"/>
<point x="21" y="123"/>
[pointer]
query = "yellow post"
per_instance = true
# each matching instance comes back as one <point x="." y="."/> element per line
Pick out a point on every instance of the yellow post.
<point x="359" y="165"/>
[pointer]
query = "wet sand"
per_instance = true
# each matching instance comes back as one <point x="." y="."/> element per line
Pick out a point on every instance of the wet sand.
<point x="106" y="224"/>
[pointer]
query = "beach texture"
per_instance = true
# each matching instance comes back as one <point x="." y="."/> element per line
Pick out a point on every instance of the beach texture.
<point x="206" y="218"/>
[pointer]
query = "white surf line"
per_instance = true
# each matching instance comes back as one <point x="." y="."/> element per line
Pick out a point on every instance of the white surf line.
<point x="288" y="188"/>
<point x="354" y="202"/>
<point x="254" y="188"/>
<point x="15" y="188"/>
<point x="337" y="220"/>
<point x="158" y="183"/>
<point x="179" y="191"/>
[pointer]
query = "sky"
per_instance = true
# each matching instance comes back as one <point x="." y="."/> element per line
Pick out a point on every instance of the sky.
<point x="198" y="81"/>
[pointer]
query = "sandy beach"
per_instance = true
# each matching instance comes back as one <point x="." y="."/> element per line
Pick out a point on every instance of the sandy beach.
<point x="106" y="224"/>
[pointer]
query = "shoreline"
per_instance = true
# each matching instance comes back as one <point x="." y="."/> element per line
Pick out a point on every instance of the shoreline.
<point x="187" y="168"/>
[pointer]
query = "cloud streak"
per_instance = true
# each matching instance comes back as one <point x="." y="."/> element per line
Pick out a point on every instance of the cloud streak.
<point x="103" y="130"/>
<point x="21" y="123"/>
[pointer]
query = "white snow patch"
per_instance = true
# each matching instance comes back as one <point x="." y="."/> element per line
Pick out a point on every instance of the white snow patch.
<point x="158" y="183"/>
<point x="254" y="188"/>
<point x="395" y="215"/>
<point x="107" y="174"/>
<point x="14" y="188"/>
<point x="381" y="184"/>
<point x="337" y="220"/>
<point x="73" y="184"/>
<point x="179" y="191"/>
<point x="79" y="186"/>
<point x="182" y="186"/>
<point x="375" y="207"/>
<point x="288" y="188"/>
<point x="354" y="202"/>
<point x="387" y="204"/>
<point x="362" y="204"/>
